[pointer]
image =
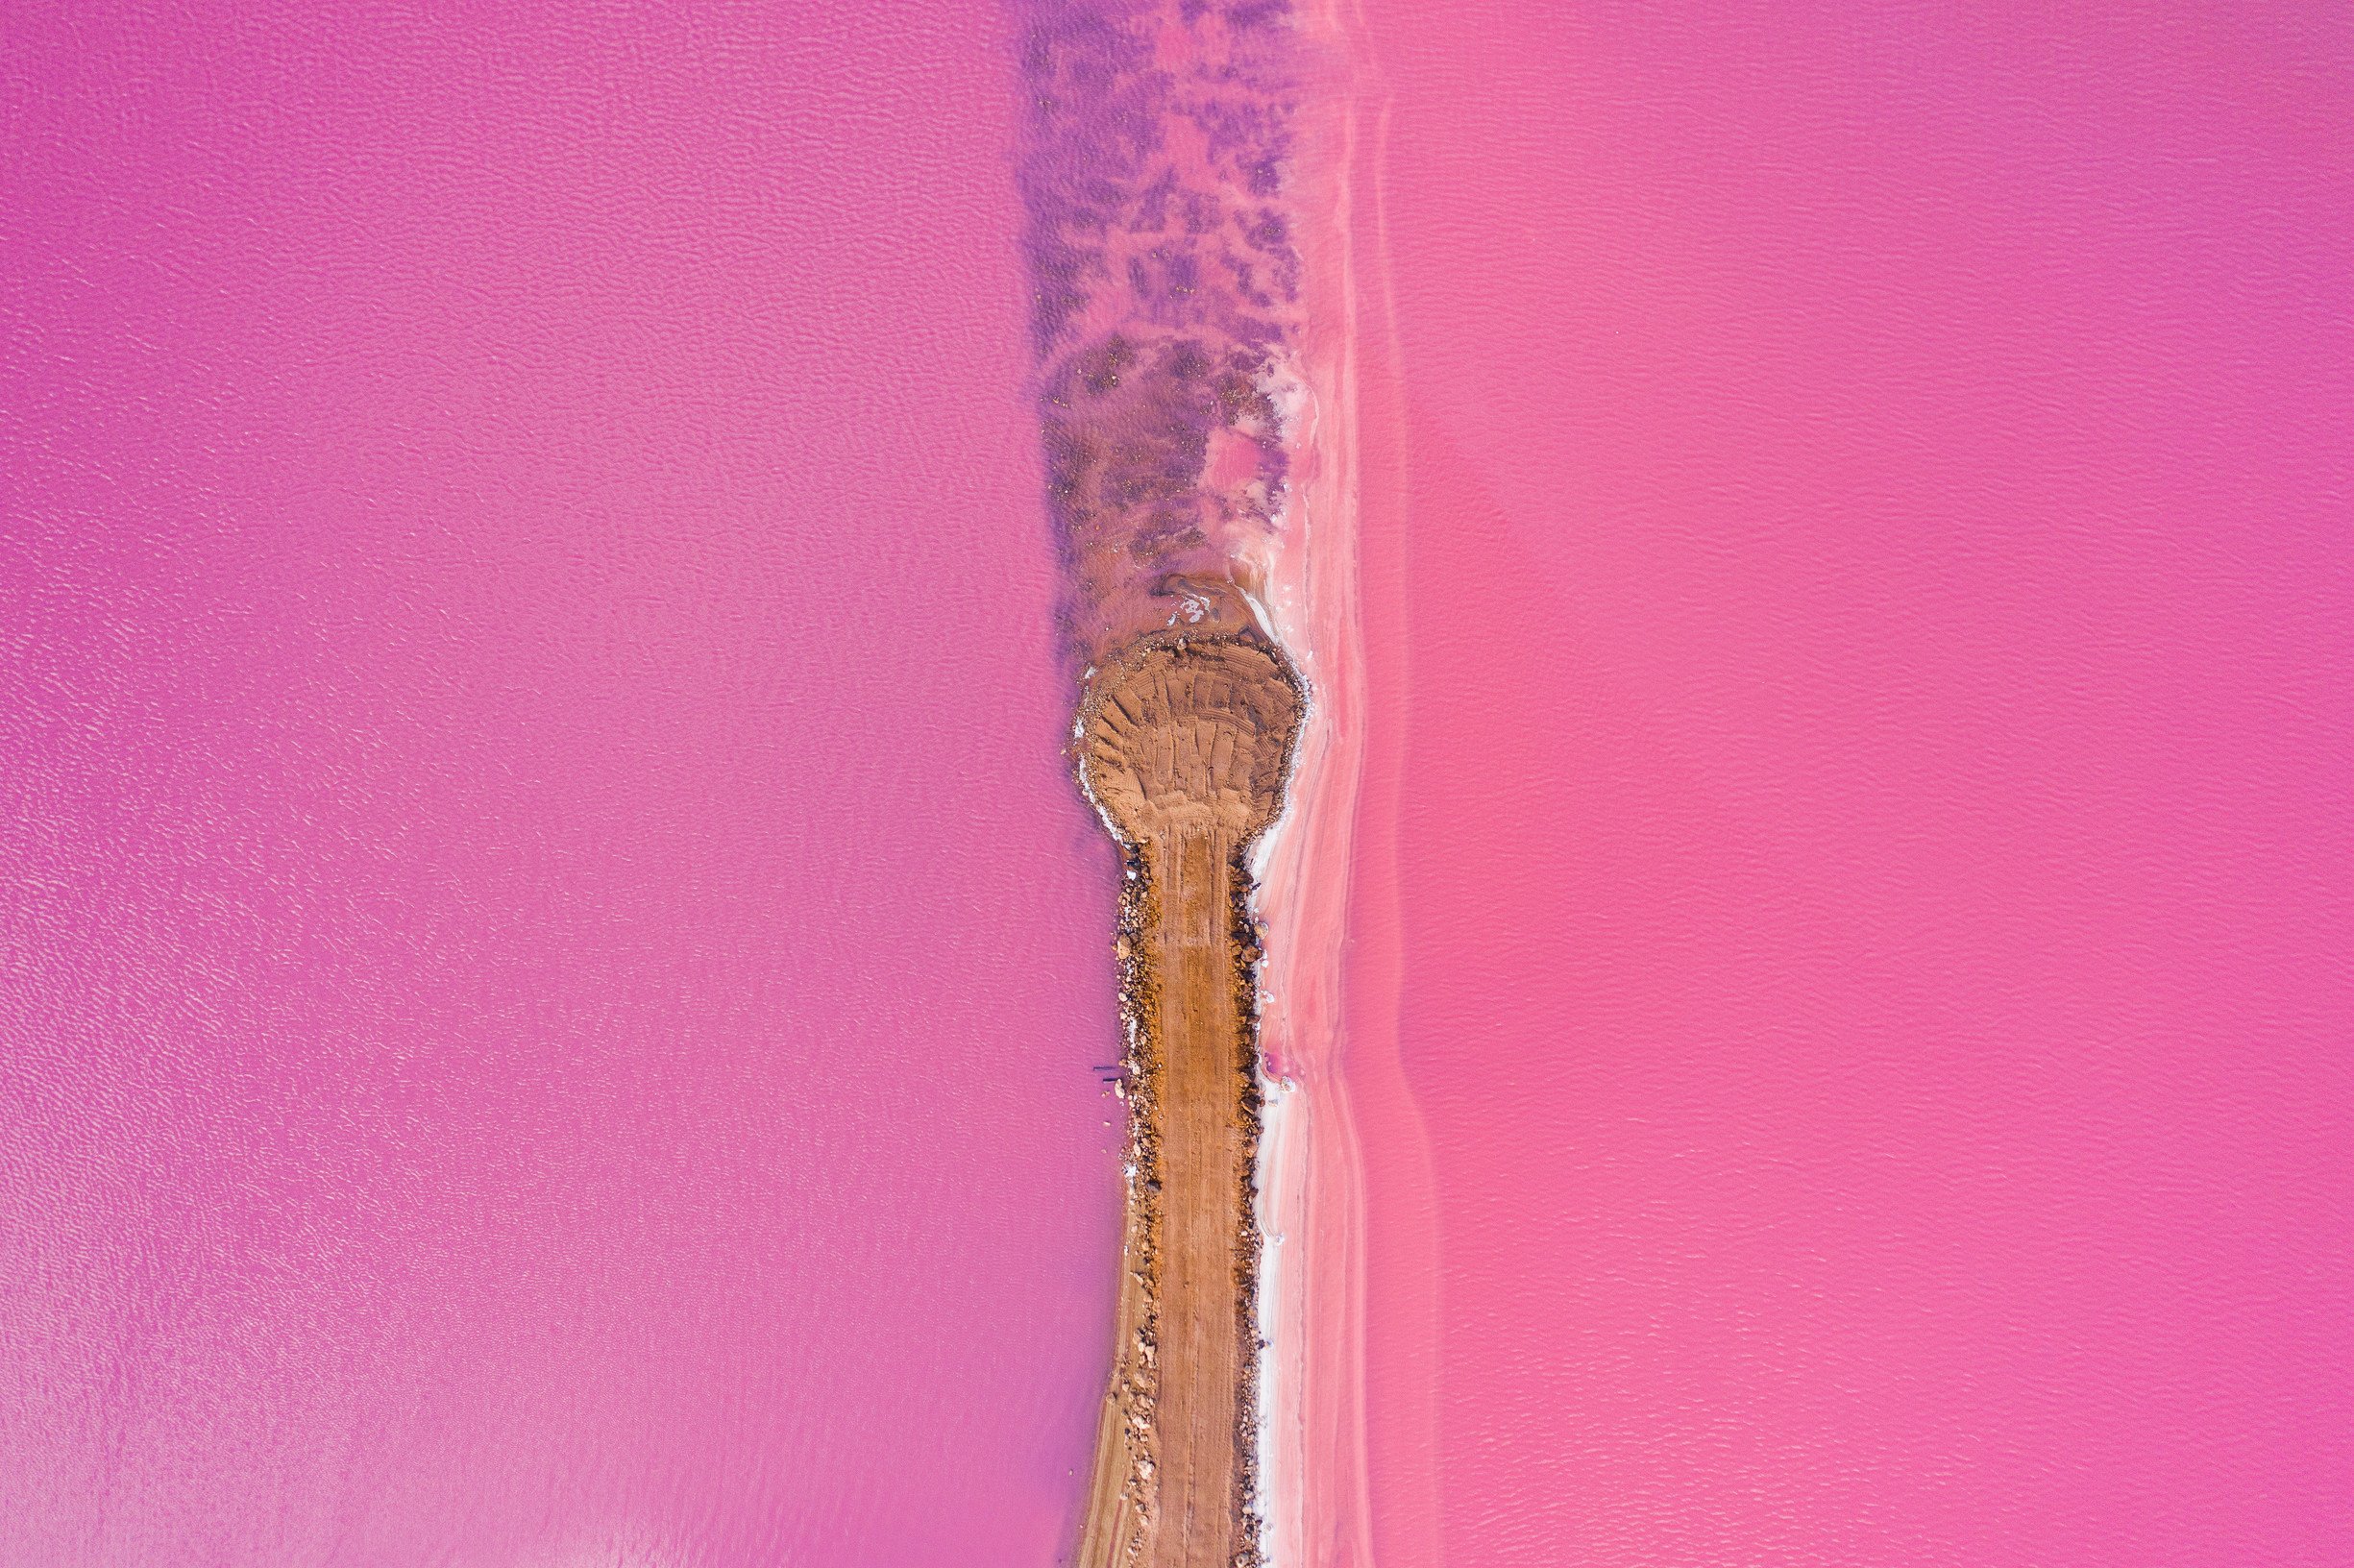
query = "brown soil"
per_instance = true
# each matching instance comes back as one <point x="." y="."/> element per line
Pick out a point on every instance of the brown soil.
<point x="1184" y="743"/>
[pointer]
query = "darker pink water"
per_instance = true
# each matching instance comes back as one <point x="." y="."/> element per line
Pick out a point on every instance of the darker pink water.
<point x="1860" y="611"/>
<point x="551" y="967"/>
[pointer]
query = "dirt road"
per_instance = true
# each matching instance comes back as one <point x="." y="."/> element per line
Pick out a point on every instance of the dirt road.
<point x="1184" y="743"/>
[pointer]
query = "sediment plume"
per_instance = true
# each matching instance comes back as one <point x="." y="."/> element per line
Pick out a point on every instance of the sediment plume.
<point x="1166" y="286"/>
<point x="1184" y="744"/>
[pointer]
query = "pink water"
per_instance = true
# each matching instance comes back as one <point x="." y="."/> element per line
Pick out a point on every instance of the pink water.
<point x="1861" y="633"/>
<point x="551" y="967"/>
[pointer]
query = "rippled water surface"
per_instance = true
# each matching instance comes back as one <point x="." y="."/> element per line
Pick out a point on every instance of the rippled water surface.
<point x="551" y="964"/>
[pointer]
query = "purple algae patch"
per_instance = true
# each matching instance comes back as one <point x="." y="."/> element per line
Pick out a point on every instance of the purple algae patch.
<point x="1164" y="287"/>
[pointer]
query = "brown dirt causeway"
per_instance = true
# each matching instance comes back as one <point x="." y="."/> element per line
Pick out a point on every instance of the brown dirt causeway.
<point x="1185" y="743"/>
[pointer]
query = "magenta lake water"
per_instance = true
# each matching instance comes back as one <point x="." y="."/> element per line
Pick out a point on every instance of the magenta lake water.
<point x="553" y="967"/>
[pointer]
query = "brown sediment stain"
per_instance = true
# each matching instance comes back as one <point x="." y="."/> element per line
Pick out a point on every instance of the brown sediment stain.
<point x="1184" y="742"/>
<point x="1164" y="284"/>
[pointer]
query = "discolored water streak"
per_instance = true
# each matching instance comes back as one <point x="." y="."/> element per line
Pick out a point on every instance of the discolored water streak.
<point x="1165" y="290"/>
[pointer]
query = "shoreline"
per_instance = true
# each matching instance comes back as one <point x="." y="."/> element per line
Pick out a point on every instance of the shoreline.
<point x="1343" y="1131"/>
<point x="1310" y="1173"/>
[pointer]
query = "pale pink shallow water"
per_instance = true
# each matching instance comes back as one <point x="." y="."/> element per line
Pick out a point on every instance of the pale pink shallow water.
<point x="1860" y="611"/>
<point x="551" y="967"/>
